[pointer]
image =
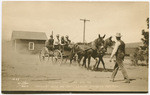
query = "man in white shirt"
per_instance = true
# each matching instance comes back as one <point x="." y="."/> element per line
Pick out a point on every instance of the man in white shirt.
<point x="57" y="41"/>
<point x="119" y="52"/>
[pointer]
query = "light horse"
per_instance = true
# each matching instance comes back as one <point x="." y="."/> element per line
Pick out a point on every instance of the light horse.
<point x="107" y="43"/>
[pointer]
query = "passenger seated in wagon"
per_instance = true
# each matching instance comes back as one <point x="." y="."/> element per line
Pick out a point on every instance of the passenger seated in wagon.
<point x="49" y="44"/>
<point x="57" y="42"/>
<point x="65" y="42"/>
<point x="62" y="43"/>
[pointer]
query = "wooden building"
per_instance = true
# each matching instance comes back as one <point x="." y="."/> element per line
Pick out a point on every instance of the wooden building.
<point x="28" y="42"/>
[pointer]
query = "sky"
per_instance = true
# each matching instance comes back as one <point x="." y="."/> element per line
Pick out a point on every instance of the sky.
<point x="127" y="18"/>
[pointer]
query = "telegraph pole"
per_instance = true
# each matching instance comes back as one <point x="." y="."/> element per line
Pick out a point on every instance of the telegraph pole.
<point x="52" y="33"/>
<point x="84" y="20"/>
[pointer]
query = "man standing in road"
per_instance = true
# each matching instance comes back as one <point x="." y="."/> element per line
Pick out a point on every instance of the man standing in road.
<point x="119" y="52"/>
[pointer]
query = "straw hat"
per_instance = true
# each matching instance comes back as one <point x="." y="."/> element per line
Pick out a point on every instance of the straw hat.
<point x="118" y="35"/>
<point x="57" y="35"/>
<point x="67" y="36"/>
<point x="51" y="35"/>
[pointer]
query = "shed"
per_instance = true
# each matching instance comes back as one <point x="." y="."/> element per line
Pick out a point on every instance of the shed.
<point x="28" y="42"/>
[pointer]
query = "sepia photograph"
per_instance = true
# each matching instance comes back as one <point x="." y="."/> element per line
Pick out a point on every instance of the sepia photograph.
<point x="75" y="47"/>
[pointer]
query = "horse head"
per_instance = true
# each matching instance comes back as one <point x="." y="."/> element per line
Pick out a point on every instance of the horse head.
<point x="99" y="41"/>
<point x="101" y="37"/>
<point x="108" y="42"/>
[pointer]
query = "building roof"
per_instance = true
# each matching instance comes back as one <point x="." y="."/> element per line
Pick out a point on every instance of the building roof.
<point x="26" y="35"/>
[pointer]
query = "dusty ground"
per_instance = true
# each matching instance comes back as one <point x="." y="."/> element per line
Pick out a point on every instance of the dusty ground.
<point x="26" y="73"/>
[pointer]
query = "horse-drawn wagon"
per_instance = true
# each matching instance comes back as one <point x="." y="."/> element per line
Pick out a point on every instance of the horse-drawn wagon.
<point x="61" y="53"/>
<point x="57" y="54"/>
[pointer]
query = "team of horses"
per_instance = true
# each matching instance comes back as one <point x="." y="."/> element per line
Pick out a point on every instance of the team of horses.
<point x="96" y="50"/>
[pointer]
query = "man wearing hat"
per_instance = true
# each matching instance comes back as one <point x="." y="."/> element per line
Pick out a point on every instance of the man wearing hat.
<point x="119" y="52"/>
<point x="50" y="43"/>
<point x="57" y="42"/>
<point x="67" y="41"/>
<point x="62" y="40"/>
<point x="62" y="43"/>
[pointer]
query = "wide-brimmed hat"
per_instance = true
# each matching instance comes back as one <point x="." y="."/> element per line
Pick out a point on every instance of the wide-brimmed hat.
<point x="67" y="36"/>
<point x="57" y="35"/>
<point x="51" y="35"/>
<point x="118" y="35"/>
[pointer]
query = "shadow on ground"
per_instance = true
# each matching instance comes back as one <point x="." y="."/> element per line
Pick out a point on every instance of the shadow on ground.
<point x="123" y="80"/>
<point x="103" y="70"/>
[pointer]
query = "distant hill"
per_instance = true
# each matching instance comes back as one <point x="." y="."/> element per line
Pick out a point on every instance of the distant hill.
<point x="128" y="45"/>
<point x="130" y="48"/>
<point x="133" y="45"/>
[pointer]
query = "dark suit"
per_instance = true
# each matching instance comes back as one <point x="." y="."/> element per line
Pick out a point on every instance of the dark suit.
<point x="50" y="44"/>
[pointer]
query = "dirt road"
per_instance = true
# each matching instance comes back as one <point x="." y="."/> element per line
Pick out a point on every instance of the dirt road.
<point x="26" y="73"/>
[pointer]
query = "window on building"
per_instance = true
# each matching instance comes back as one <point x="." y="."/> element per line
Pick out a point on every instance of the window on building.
<point x="31" y="45"/>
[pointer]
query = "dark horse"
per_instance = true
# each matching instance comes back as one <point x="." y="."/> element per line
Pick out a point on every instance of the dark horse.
<point x="90" y="52"/>
<point x="96" y="54"/>
<point x="107" y="43"/>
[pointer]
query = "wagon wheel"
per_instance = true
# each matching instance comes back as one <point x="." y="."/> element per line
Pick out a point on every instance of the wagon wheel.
<point x="57" y="58"/>
<point x="44" y="56"/>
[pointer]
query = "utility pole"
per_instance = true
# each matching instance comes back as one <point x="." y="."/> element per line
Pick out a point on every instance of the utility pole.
<point x="84" y="20"/>
<point x="52" y="33"/>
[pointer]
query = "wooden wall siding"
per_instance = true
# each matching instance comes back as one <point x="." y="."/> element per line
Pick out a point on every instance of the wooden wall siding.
<point x="22" y="46"/>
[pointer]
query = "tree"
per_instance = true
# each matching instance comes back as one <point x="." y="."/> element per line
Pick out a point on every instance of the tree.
<point x="147" y="20"/>
<point x="145" y="40"/>
<point x="141" y="53"/>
